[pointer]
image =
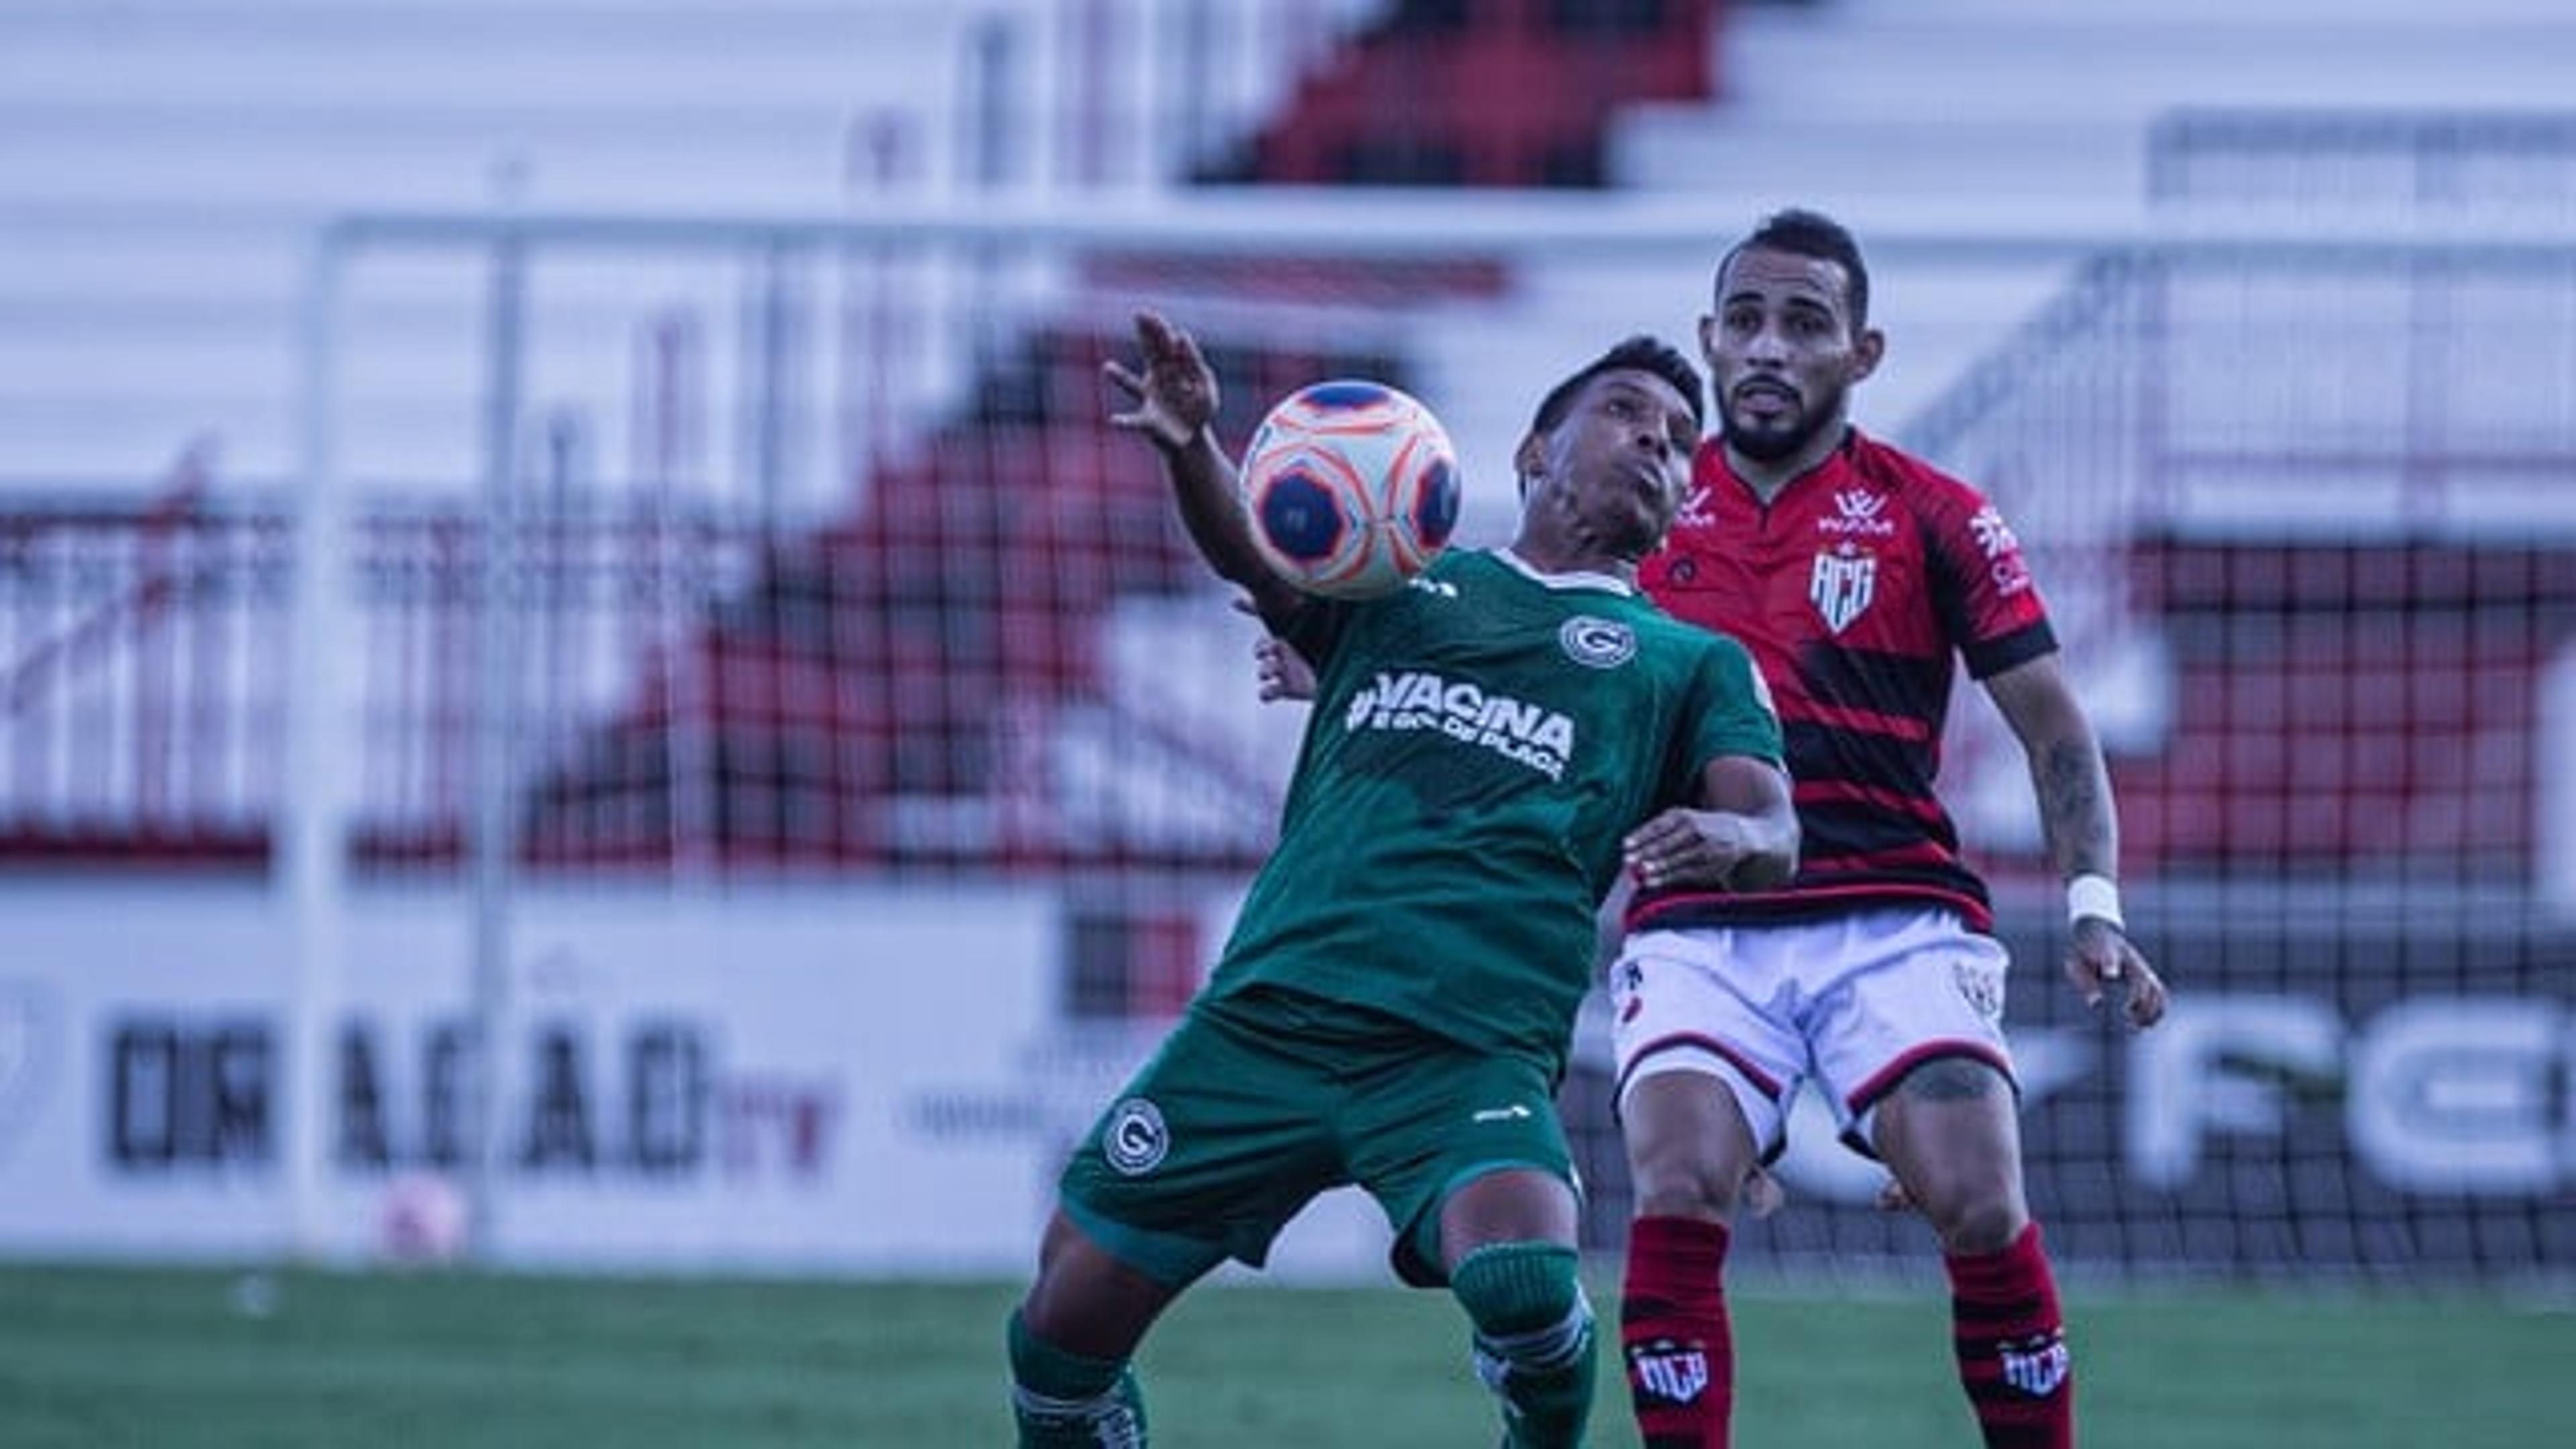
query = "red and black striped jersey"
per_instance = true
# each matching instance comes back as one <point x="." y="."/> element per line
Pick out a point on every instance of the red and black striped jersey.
<point x="1856" y="589"/>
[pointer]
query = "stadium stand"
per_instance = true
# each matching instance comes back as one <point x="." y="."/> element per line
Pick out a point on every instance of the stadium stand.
<point x="1413" y="100"/>
<point x="173" y="160"/>
<point x="627" y="120"/>
<point x="847" y="691"/>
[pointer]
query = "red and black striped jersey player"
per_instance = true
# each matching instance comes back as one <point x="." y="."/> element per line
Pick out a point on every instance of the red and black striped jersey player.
<point x="1859" y="576"/>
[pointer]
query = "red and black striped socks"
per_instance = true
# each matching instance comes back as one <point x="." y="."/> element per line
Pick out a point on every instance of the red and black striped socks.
<point x="2011" y="1342"/>
<point x="1673" y="1330"/>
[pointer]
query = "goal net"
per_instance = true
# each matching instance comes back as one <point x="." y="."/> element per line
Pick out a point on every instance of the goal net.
<point x="675" y="555"/>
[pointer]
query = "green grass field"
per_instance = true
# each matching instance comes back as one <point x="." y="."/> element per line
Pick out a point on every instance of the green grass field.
<point x="187" y="1358"/>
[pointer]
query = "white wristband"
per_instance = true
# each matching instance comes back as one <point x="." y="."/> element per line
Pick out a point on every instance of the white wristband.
<point x="2094" y="895"/>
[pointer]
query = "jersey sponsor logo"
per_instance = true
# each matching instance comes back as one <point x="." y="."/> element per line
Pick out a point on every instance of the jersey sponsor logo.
<point x="2036" y="1366"/>
<point x="1856" y="511"/>
<point x="1524" y="733"/>
<point x="2003" y="551"/>
<point x="1135" y="1141"/>
<point x="1842" y="584"/>
<point x="1994" y="536"/>
<point x="1694" y="512"/>
<point x="1667" y="1370"/>
<point x="1597" y="643"/>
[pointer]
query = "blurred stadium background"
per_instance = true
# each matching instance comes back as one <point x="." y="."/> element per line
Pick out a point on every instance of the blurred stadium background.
<point x="587" y="527"/>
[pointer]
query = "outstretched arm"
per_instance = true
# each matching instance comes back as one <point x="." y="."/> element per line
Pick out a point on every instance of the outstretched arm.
<point x="2082" y="826"/>
<point x="1175" y="397"/>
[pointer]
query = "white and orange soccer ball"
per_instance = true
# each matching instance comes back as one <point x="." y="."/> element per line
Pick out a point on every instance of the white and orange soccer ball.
<point x="1352" y="488"/>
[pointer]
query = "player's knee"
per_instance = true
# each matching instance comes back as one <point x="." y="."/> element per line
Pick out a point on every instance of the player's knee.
<point x="1689" y="1147"/>
<point x="1979" y="1210"/>
<point x="1688" y="1181"/>
<point x="1512" y="1289"/>
<point x="1051" y="1313"/>
<point x="1975" y="1221"/>
<point x="1696" y="1190"/>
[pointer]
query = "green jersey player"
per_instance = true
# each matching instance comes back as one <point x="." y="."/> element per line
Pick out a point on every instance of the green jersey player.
<point x="1491" y="747"/>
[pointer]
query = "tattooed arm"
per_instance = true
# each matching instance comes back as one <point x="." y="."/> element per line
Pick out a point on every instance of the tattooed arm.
<point x="2082" y="826"/>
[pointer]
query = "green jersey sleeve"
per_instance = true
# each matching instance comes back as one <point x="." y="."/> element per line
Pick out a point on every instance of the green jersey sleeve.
<point x="1729" y="713"/>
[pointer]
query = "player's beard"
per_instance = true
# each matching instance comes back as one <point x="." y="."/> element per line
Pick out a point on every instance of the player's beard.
<point x="1782" y="441"/>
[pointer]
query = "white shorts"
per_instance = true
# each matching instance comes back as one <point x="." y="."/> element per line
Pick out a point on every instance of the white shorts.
<point x="1854" y="1001"/>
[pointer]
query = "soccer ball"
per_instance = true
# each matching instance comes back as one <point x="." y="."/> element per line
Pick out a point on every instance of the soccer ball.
<point x="421" y="1220"/>
<point x="1351" y="487"/>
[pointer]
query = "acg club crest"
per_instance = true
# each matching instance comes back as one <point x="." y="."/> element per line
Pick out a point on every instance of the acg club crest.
<point x="1135" y="1138"/>
<point x="1669" y="1372"/>
<point x="1842" y="583"/>
<point x="1981" y="984"/>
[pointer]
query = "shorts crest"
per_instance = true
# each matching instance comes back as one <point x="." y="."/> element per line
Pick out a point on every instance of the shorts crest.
<point x="1135" y="1139"/>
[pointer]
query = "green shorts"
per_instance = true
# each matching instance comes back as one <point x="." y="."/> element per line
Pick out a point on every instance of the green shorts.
<point x="1256" y="1104"/>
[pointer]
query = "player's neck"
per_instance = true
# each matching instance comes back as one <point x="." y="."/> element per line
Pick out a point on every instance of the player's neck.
<point x="1557" y="556"/>
<point x="1768" y="478"/>
<point x="1557" y="536"/>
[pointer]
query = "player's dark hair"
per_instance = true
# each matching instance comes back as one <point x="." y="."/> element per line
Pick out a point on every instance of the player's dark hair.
<point x="1638" y="353"/>
<point x="1813" y="234"/>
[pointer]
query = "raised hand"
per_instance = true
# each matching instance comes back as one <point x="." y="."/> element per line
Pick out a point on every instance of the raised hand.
<point x="1282" y="672"/>
<point x="1175" y="393"/>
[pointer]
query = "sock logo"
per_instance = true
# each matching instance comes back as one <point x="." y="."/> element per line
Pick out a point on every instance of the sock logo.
<point x="2037" y="1366"/>
<point x="1669" y="1370"/>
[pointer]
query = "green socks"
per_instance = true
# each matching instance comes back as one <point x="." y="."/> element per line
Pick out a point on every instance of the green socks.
<point x="1066" y="1401"/>
<point x="1533" y="1341"/>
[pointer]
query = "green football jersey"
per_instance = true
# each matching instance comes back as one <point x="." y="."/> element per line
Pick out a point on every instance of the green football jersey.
<point x="1480" y="743"/>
